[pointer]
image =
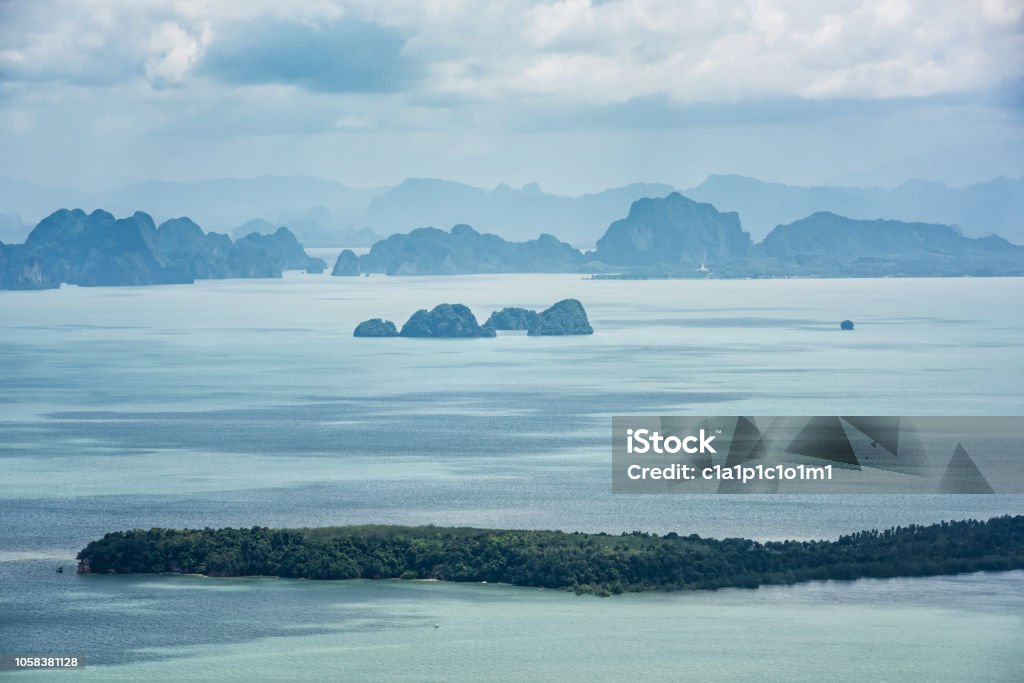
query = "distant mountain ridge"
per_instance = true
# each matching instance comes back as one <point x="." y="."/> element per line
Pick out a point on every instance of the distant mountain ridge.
<point x="220" y="204"/>
<point x="675" y="236"/>
<point x="225" y="203"/>
<point x="515" y="214"/>
<point x="289" y="201"/>
<point x="311" y="231"/>
<point x="992" y="207"/>
<point x="321" y="211"/>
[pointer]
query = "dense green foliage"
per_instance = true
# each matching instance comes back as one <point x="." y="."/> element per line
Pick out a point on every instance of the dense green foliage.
<point x="429" y="251"/>
<point x="674" y="232"/>
<point x="445" y="320"/>
<point x="563" y="317"/>
<point x="376" y="327"/>
<point x="97" y="249"/>
<point x="552" y="559"/>
<point x="512" y="318"/>
<point x="674" y="235"/>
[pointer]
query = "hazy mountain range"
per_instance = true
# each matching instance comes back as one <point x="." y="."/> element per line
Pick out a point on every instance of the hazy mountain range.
<point x="320" y="211"/>
<point x="992" y="207"/>
<point x="670" y="236"/>
<point x="674" y="236"/>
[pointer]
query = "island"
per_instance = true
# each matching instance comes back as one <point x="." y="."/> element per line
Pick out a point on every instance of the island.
<point x="463" y="250"/>
<point x="564" y="317"/>
<point x="445" y="320"/>
<point x="376" y="327"/>
<point x="673" y="232"/>
<point x="346" y="265"/>
<point x="675" y="236"/>
<point x="97" y="249"/>
<point x="829" y="245"/>
<point x="671" y="236"/>
<point x="512" y="318"/>
<point x="582" y="562"/>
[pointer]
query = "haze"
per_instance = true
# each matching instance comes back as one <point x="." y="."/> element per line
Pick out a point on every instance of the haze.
<point x="575" y="95"/>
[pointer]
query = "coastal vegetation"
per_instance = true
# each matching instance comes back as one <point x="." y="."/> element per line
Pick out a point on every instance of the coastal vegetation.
<point x="98" y="249"/>
<point x="565" y="317"/>
<point x="586" y="563"/>
<point x="429" y="251"/>
<point x="512" y="318"/>
<point x="376" y="327"/>
<point x="670" y="236"/>
<point x="444" y="320"/>
<point x="346" y="265"/>
<point x="675" y="236"/>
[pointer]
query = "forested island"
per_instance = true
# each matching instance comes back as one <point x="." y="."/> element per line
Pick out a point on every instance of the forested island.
<point x="675" y="236"/>
<point x="565" y="317"/>
<point x="99" y="250"/>
<point x="671" y="236"/>
<point x="586" y="563"/>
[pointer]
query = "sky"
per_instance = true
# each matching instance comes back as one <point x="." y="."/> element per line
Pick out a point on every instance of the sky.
<point x="577" y="95"/>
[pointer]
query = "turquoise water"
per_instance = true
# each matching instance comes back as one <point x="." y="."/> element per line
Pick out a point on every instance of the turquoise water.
<point x="173" y="628"/>
<point x="248" y="402"/>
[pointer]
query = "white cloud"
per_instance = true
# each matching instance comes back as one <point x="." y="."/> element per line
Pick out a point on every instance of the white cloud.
<point x="593" y="92"/>
<point x="572" y="49"/>
<point x="173" y="52"/>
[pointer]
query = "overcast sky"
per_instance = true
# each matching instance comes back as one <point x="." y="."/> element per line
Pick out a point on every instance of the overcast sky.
<point x="578" y="95"/>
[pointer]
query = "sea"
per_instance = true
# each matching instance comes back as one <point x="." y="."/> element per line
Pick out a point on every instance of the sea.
<point x="248" y="402"/>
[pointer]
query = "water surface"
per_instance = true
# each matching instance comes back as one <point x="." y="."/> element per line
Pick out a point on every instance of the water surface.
<point x="249" y="402"/>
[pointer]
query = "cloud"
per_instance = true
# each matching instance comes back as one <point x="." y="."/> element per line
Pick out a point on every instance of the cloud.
<point x="97" y="43"/>
<point x="727" y="51"/>
<point x="173" y="52"/>
<point x="427" y="85"/>
<point x="573" y="50"/>
<point x="346" y="55"/>
<point x="73" y="47"/>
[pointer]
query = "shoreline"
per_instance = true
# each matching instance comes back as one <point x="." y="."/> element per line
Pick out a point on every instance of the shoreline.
<point x="583" y="563"/>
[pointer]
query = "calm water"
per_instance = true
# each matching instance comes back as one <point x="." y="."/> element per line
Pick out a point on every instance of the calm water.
<point x="248" y="402"/>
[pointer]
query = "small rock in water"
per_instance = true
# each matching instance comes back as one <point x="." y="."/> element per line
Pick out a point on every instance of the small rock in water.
<point x="375" y="327"/>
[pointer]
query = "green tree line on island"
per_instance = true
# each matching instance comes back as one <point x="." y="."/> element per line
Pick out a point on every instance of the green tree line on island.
<point x="587" y="563"/>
